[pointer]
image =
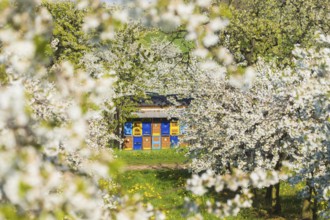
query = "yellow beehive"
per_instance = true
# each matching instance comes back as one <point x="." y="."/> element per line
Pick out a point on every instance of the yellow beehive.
<point x="137" y="128"/>
<point x="174" y="128"/>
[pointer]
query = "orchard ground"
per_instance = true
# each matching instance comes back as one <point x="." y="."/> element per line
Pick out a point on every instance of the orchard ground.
<point x="160" y="178"/>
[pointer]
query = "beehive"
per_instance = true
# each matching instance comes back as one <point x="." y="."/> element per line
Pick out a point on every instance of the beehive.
<point x="165" y="128"/>
<point x="174" y="141"/>
<point x="146" y="128"/>
<point x="146" y="143"/>
<point x="182" y="144"/>
<point x="128" y="143"/>
<point x="156" y="124"/>
<point x="137" y="128"/>
<point x="183" y="128"/>
<point x="128" y="128"/>
<point x="166" y="143"/>
<point x="156" y="142"/>
<point x="174" y="128"/>
<point x="137" y="143"/>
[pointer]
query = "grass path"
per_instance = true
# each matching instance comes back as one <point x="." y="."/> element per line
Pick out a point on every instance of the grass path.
<point x="160" y="166"/>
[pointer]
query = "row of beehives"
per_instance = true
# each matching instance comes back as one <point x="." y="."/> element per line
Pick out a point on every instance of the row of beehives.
<point x="153" y="128"/>
<point x="152" y="134"/>
<point x="150" y="142"/>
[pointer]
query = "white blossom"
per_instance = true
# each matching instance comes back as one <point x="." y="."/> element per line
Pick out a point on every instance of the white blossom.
<point x="210" y="40"/>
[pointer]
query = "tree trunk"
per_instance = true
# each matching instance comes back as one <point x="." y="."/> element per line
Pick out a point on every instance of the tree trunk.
<point x="314" y="210"/>
<point x="255" y="194"/>
<point x="269" y="197"/>
<point x="306" y="210"/>
<point x="277" y="208"/>
<point x="118" y="129"/>
<point x="307" y="205"/>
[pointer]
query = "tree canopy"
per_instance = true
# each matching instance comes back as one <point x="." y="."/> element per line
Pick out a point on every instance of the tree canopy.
<point x="271" y="29"/>
<point x="71" y="73"/>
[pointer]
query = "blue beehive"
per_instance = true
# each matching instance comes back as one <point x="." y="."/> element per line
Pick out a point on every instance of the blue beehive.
<point x="156" y="142"/>
<point x="174" y="141"/>
<point x="128" y="128"/>
<point x="146" y="128"/>
<point x="183" y="128"/>
<point x="137" y="143"/>
<point x="165" y="128"/>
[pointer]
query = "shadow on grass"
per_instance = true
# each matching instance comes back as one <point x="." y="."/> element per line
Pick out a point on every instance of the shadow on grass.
<point x="170" y="185"/>
<point x="173" y="175"/>
<point x="291" y="207"/>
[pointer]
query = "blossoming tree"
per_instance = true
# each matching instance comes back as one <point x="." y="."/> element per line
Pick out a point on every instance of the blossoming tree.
<point x="272" y="120"/>
<point x="49" y="128"/>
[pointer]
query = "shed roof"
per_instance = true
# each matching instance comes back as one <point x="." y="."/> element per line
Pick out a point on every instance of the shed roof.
<point x="151" y="114"/>
<point x="158" y="113"/>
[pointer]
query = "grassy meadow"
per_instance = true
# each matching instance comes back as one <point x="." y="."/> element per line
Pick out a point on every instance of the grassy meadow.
<point x="165" y="188"/>
<point x="153" y="157"/>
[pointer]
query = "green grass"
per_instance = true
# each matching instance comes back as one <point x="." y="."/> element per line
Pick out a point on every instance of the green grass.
<point x="165" y="190"/>
<point x="153" y="157"/>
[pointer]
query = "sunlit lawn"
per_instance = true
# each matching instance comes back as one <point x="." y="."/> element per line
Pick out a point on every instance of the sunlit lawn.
<point x="153" y="157"/>
<point x="165" y="188"/>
